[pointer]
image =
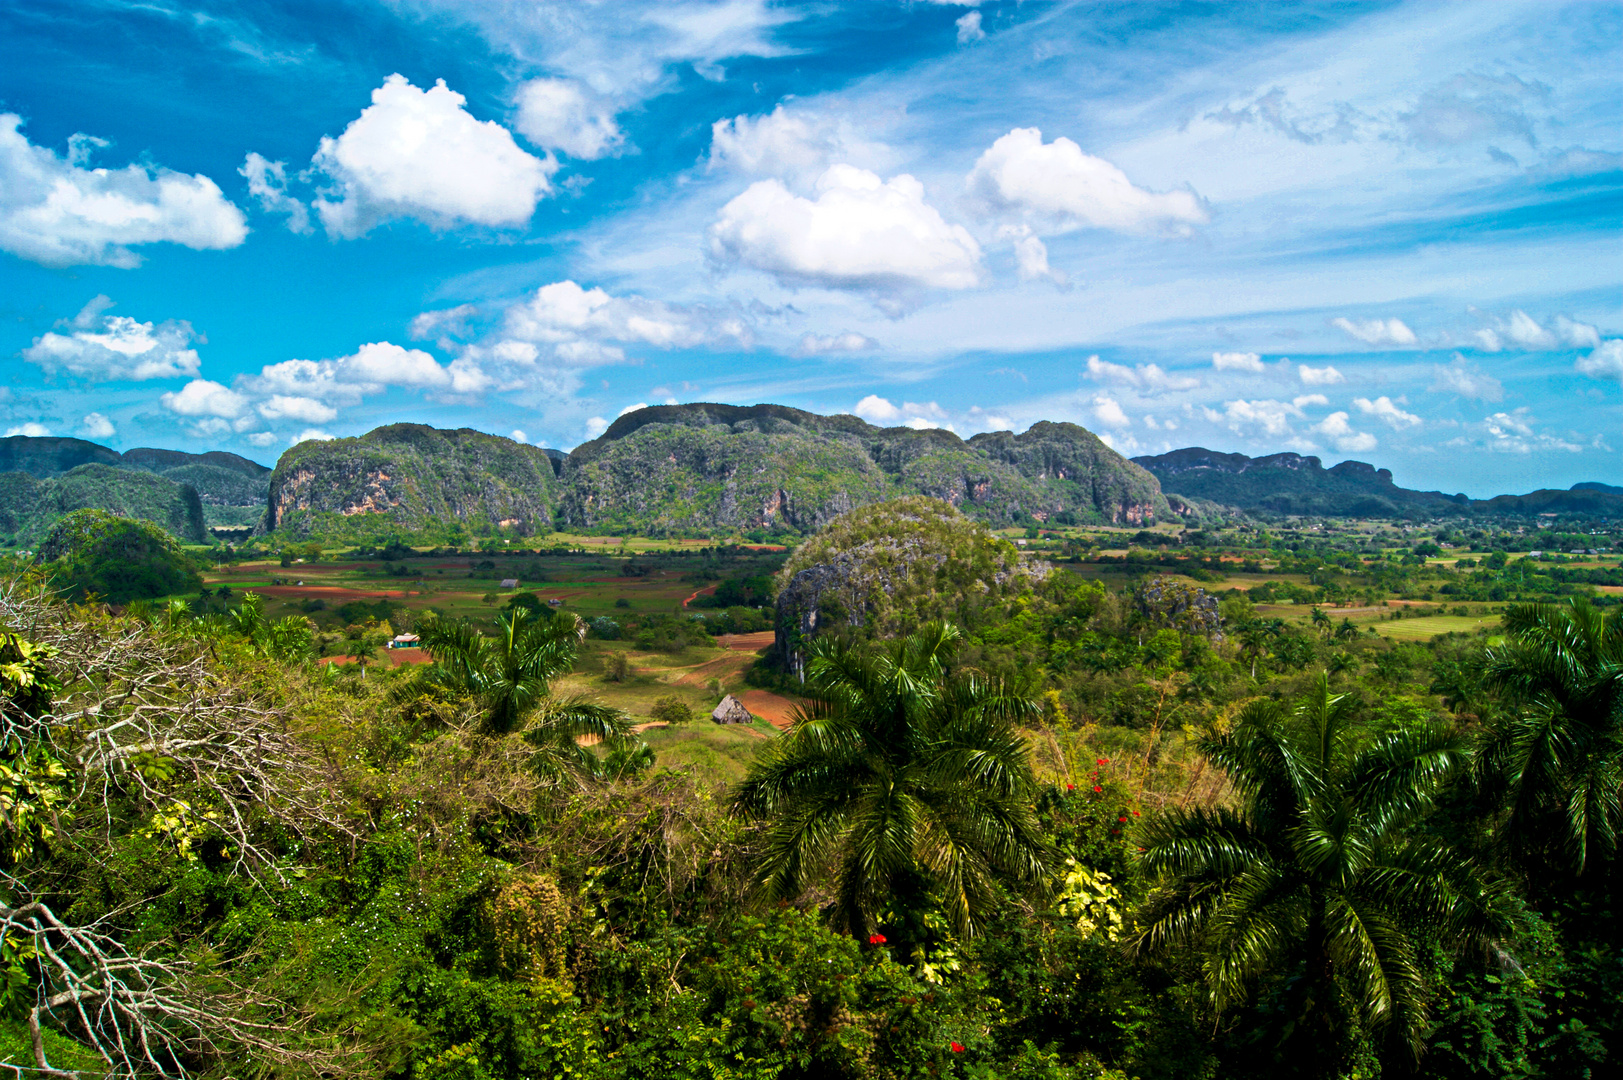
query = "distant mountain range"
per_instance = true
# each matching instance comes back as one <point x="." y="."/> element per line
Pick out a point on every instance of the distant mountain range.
<point x="703" y="469"/>
<point x="706" y="469"/>
<point x="1294" y="484"/>
<point x="43" y="478"/>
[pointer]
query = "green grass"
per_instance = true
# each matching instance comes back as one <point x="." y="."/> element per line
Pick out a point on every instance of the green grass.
<point x="16" y="1047"/>
<point x="717" y="752"/>
<point x="1431" y="626"/>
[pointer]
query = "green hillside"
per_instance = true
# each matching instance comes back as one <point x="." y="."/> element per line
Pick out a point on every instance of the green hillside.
<point x="707" y="467"/>
<point x="410" y="477"/>
<point x="29" y="507"/>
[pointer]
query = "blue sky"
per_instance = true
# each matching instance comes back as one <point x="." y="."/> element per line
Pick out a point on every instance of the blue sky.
<point x="1388" y="232"/>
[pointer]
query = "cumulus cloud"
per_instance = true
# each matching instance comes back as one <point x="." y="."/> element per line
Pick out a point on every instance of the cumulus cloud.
<point x="1606" y="362"/>
<point x="846" y="342"/>
<point x="98" y="426"/>
<point x="595" y="426"/>
<point x="311" y="435"/>
<point x="419" y="154"/>
<point x="1512" y="433"/>
<point x="31" y="430"/>
<point x="103" y="348"/>
<point x="1464" y="379"/>
<point x="206" y="398"/>
<point x="564" y="313"/>
<point x="791" y="146"/>
<point x="860" y="232"/>
<point x="1147" y="378"/>
<point x="1340" y="434"/>
<point x="57" y="212"/>
<point x="1386" y="410"/>
<point x="1376" y="331"/>
<point x="267" y="183"/>
<point x="1109" y="412"/>
<point x="1031" y="255"/>
<point x="1302" y="401"/>
<point x="1324" y="376"/>
<point x="308" y="410"/>
<point x="562" y="115"/>
<point x="917" y="415"/>
<point x="1266" y="416"/>
<point x="1056" y="188"/>
<point x="1521" y="330"/>
<point x="1248" y="362"/>
<point x="969" y="28"/>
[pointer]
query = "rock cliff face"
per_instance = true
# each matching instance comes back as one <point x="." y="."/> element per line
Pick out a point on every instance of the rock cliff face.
<point x="706" y="467"/>
<point x="409" y="477"/>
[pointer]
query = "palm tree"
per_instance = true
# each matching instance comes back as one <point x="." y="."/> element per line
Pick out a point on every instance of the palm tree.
<point x="1322" y="623"/>
<point x="1557" y="760"/>
<point x="511" y="676"/>
<point x="903" y="781"/>
<point x="1318" y="875"/>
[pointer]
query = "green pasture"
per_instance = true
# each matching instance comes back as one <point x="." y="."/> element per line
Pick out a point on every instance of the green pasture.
<point x="721" y="753"/>
<point x="1430" y="626"/>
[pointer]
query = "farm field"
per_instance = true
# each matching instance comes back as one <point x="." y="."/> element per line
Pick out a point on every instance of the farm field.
<point x="1430" y="626"/>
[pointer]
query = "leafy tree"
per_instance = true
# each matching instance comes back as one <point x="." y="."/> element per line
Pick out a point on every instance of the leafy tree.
<point x="511" y="675"/>
<point x="1557" y="759"/>
<point x="907" y="781"/>
<point x="1319" y="875"/>
<point x="671" y="709"/>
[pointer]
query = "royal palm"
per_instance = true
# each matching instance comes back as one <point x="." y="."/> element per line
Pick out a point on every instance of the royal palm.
<point x="510" y="675"/>
<point x="900" y="782"/>
<point x="1317" y="875"/>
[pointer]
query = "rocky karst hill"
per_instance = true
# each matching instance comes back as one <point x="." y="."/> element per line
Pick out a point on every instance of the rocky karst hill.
<point x="1294" y="484"/>
<point x="410" y="477"/>
<point x="29" y="507"/>
<point x="706" y="467"/>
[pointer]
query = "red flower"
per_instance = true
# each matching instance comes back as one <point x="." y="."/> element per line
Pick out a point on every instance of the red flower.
<point x="1122" y="820"/>
<point x="1135" y="813"/>
<point x="1103" y="761"/>
<point x="957" y="1047"/>
<point x="1070" y="787"/>
<point x="1098" y="789"/>
<point x="876" y="939"/>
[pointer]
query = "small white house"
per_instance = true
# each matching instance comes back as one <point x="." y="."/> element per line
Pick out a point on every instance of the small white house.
<point x="509" y="582"/>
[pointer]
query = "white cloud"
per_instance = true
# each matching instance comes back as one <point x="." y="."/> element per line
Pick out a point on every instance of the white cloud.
<point x="1526" y="332"/>
<point x="267" y="183"/>
<point x="203" y="397"/>
<point x="859" y="233"/>
<point x="632" y="408"/>
<point x="563" y="312"/>
<point x="33" y="431"/>
<point x="1488" y="340"/>
<point x="311" y="435"/>
<point x="969" y="28"/>
<point x="1031" y="255"/>
<point x="788" y="145"/>
<point x="1109" y="412"/>
<point x="1237" y="361"/>
<point x="262" y="438"/>
<point x="112" y="347"/>
<point x="1148" y="378"/>
<point x="1377" y="331"/>
<point x="1302" y="401"/>
<point x="58" y="213"/>
<point x="1325" y="376"/>
<point x="1512" y="433"/>
<point x="562" y="115"/>
<point x="1386" y="410"/>
<point x="1606" y="362"/>
<point x="98" y="426"/>
<point x="419" y="154"/>
<point x="1057" y="188"/>
<point x="517" y="435"/>
<point x="1466" y="380"/>
<point x="596" y="426"/>
<point x="451" y="321"/>
<point x="1578" y="335"/>
<point x="846" y="342"/>
<point x="1269" y="417"/>
<point x="1342" y="436"/>
<point x="308" y="410"/>
<point x="877" y="410"/>
<point x="384" y="364"/>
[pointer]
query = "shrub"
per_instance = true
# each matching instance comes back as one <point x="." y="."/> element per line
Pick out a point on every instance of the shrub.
<point x="671" y="709"/>
<point x="616" y="667"/>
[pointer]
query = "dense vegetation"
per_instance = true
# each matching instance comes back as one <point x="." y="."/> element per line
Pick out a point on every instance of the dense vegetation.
<point x="29" y="507"/>
<point x="1088" y="830"/>
<point x="96" y="554"/>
